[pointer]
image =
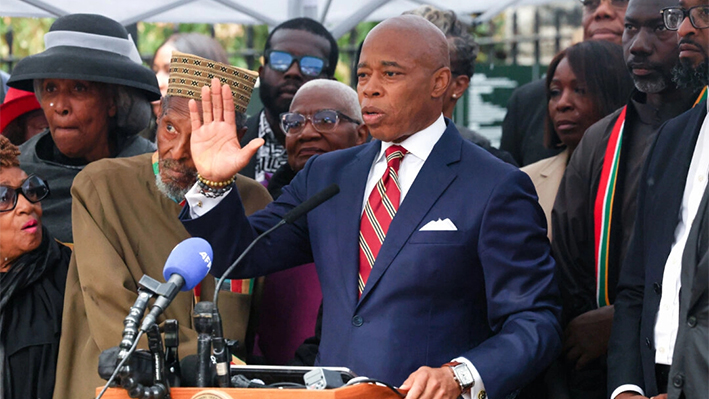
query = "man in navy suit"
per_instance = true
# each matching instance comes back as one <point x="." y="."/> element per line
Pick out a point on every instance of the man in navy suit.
<point x="461" y="296"/>
<point x="647" y="309"/>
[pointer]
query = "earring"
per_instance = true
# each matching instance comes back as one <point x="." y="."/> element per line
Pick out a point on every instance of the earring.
<point x="51" y="104"/>
<point x="455" y="96"/>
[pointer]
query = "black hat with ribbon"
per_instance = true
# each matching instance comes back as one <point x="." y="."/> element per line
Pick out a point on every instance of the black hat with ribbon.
<point x="87" y="47"/>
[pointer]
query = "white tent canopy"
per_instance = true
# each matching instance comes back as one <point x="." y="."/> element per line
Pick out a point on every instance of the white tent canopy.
<point x="338" y="15"/>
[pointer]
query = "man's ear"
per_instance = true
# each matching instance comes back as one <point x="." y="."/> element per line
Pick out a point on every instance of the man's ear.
<point x="441" y="81"/>
<point x="362" y="134"/>
<point x="460" y="84"/>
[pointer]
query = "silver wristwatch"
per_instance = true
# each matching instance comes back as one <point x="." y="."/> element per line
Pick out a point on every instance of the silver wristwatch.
<point x="462" y="375"/>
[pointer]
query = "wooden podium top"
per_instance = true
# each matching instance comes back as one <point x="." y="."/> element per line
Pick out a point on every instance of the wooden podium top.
<point x="368" y="391"/>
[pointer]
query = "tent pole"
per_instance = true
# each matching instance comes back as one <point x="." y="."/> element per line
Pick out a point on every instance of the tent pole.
<point x="155" y="11"/>
<point x="357" y="17"/>
<point x="46" y="7"/>
<point x="253" y="14"/>
<point x="324" y="12"/>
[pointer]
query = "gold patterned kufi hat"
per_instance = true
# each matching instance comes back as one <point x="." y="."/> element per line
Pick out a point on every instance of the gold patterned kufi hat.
<point x="188" y="73"/>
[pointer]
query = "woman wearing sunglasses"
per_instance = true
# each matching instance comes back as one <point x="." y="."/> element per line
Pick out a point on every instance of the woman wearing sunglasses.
<point x="33" y="269"/>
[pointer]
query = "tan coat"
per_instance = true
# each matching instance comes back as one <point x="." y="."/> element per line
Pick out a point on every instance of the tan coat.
<point x="125" y="228"/>
<point x="546" y="176"/>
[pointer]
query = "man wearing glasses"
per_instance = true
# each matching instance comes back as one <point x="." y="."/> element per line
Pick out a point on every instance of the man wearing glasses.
<point x="523" y="127"/>
<point x="296" y="51"/>
<point x="324" y="116"/>
<point x="592" y="220"/>
<point x="659" y="339"/>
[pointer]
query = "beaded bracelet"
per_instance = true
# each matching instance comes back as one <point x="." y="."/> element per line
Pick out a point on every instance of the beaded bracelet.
<point x="214" y="189"/>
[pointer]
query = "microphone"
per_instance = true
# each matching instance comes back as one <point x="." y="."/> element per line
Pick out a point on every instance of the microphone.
<point x="290" y="217"/>
<point x="220" y="349"/>
<point x="189" y="366"/>
<point x="188" y="264"/>
<point x="203" y="325"/>
<point x="312" y="202"/>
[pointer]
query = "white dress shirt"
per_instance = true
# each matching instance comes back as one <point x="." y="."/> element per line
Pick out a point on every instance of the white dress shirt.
<point x="419" y="147"/>
<point x="667" y="321"/>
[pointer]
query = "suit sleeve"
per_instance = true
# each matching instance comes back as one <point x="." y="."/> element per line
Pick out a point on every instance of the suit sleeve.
<point x="521" y="290"/>
<point x="289" y="246"/>
<point x="108" y="284"/>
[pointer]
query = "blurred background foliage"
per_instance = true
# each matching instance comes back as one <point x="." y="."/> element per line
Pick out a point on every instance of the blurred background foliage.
<point x="244" y="44"/>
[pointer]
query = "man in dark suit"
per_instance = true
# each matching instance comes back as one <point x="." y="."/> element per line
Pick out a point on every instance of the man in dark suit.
<point x="523" y="126"/>
<point x="450" y="290"/>
<point x="296" y="51"/>
<point x="690" y="363"/>
<point x="647" y="308"/>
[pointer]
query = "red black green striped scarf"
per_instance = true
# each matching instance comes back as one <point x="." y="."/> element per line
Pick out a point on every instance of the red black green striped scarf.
<point x="603" y="208"/>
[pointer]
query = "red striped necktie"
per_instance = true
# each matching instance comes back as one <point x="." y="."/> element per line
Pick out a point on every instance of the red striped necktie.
<point x="379" y="211"/>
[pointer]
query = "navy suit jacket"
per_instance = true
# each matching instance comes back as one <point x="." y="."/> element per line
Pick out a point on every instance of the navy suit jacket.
<point x="486" y="291"/>
<point x="631" y="350"/>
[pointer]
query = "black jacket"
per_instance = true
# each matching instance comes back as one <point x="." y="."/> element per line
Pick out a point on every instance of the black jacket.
<point x="631" y="351"/>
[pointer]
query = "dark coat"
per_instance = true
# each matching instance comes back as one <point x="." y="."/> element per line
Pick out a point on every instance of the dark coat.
<point x="631" y="351"/>
<point x="690" y="363"/>
<point x="40" y="156"/>
<point x="432" y="295"/>
<point x="251" y="133"/>
<point x="523" y="126"/>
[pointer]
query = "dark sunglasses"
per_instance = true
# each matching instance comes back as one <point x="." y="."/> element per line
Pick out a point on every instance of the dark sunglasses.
<point x="309" y="65"/>
<point x="33" y="188"/>
<point x="673" y="17"/>
<point x="592" y="5"/>
<point x="324" y="121"/>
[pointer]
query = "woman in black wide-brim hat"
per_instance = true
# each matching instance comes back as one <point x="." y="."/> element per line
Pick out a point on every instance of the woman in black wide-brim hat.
<point x="96" y="96"/>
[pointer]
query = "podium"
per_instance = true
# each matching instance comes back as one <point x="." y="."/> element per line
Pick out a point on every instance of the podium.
<point x="364" y="391"/>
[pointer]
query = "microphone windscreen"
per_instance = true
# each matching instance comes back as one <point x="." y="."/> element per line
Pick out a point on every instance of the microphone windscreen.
<point x="191" y="259"/>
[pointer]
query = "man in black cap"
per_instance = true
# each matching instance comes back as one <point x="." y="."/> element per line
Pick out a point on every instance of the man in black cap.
<point x="296" y="51"/>
<point x="95" y="93"/>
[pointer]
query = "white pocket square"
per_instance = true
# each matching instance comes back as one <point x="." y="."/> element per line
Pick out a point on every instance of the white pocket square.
<point x="439" y="225"/>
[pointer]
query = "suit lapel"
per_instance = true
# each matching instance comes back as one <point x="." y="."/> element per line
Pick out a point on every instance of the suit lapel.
<point x="672" y="158"/>
<point x="433" y="179"/>
<point x="352" y="194"/>
<point x="695" y="259"/>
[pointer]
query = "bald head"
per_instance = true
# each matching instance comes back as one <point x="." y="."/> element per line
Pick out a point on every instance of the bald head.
<point x="423" y="38"/>
<point x="402" y="75"/>
<point x="337" y="92"/>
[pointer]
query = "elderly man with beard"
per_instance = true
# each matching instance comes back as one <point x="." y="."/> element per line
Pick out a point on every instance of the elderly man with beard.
<point x="594" y="211"/>
<point x="651" y="310"/>
<point x="125" y="225"/>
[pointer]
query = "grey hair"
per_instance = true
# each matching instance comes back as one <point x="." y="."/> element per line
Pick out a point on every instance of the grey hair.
<point x="340" y="90"/>
<point x="460" y="42"/>
<point x="133" y="109"/>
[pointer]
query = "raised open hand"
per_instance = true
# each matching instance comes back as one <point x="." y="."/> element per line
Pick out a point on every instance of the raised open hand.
<point x="216" y="152"/>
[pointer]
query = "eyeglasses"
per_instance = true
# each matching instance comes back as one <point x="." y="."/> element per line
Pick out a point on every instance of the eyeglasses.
<point x="324" y="121"/>
<point x="33" y="188"/>
<point x="309" y="65"/>
<point x="673" y="17"/>
<point x="592" y="5"/>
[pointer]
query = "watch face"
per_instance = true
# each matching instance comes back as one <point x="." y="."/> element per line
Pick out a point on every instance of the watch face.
<point x="464" y="375"/>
